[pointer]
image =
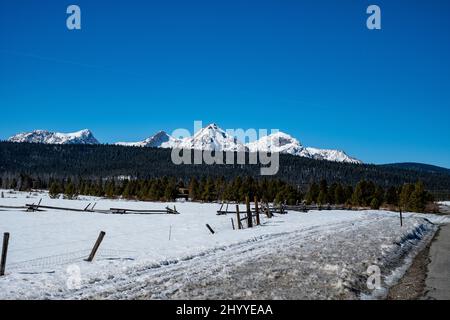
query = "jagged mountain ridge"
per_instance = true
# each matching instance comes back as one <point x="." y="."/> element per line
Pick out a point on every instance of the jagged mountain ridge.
<point x="160" y="140"/>
<point x="211" y="138"/>
<point x="43" y="136"/>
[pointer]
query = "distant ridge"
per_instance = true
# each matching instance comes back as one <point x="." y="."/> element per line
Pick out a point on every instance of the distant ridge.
<point x="211" y="138"/>
<point x="422" y="167"/>
<point x="46" y="137"/>
<point x="214" y="138"/>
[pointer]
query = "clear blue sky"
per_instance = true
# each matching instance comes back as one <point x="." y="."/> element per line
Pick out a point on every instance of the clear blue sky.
<point x="309" y="68"/>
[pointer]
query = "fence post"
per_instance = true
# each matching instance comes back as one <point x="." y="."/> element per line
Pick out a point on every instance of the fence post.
<point x="232" y="224"/>
<point x="258" y="222"/>
<point x="401" y="218"/>
<point x="268" y="213"/>
<point x="210" y="229"/>
<point x="249" y="213"/>
<point x="238" y="216"/>
<point x="4" y="253"/>
<point x="96" y="245"/>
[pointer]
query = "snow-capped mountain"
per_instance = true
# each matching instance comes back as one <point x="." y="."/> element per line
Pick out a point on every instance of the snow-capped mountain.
<point x="212" y="138"/>
<point x="159" y="140"/>
<point x="284" y="143"/>
<point x="331" y="155"/>
<point x="277" y="142"/>
<point x="47" y="137"/>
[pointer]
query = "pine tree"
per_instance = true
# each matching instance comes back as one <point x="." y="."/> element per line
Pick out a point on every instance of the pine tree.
<point x="332" y="193"/>
<point x="155" y="192"/>
<point x="13" y="184"/>
<point x="375" y="204"/>
<point x="54" y="190"/>
<point x="69" y="190"/>
<point x="323" y="187"/>
<point x="417" y="200"/>
<point x="220" y="186"/>
<point x="194" y="189"/>
<point x="171" y="190"/>
<point x="86" y="188"/>
<point x="368" y="192"/>
<point x="358" y="196"/>
<point x="312" y="194"/>
<point x="208" y="194"/>
<point x="280" y="197"/>
<point x="392" y="196"/>
<point x="322" y="198"/>
<point x="142" y="190"/>
<point x="378" y="195"/>
<point x="405" y="196"/>
<point x="127" y="191"/>
<point x="110" y="189"/>
<point x="348" y="194"/>
<point x="339" y="194"/>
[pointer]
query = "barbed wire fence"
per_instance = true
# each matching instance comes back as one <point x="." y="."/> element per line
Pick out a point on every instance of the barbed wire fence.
<point x="82" y="249"/>
<point x="49" y="263"/>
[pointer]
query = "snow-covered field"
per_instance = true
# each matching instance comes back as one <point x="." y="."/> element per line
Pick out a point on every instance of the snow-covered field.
<point x="324" y="254"/>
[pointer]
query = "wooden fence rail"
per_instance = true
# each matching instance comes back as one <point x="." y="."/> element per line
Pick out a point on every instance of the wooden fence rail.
<point x="38" y="207"/>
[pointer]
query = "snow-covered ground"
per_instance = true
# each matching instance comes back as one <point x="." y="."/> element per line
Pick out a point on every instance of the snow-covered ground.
<point x="324" y="253"/>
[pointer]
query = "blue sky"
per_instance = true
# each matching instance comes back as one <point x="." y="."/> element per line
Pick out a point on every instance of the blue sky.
<point x="309" y="68"/>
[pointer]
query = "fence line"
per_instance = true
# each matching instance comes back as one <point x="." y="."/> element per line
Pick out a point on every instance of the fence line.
<point x="50" y="262"/>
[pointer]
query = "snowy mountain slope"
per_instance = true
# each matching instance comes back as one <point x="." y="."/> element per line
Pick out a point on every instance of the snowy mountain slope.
<point x="47" y="137"/>
<point x="159" y="140"/>
<point x="331" y="155"/>
<point x="284" y="143"/>
<point x="212" y="138"/>
<point x="277" y="142"/>
<point x="209" y="138"/>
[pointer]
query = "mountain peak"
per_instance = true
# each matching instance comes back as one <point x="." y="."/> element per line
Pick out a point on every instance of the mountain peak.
<point x="211" y="138"/>
<point x="212" y="126"/>
<point x="43" y="136"/>
<point x="84" y="132"/>
<point x="159" y="140"/>
<point x="277" y="142"/>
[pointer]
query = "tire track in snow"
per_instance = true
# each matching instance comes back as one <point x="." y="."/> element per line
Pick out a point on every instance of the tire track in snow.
<point x="163" y="282"/>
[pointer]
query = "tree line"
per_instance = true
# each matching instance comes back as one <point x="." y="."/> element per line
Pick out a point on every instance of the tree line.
<point x="22" y="164"/>
<point x="408" y="197"/>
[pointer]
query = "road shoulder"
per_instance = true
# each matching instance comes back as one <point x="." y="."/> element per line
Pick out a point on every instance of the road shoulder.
<point x="438" y="276"/>
<point x="429" y="274"/>
<point x="412" y="285"/>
